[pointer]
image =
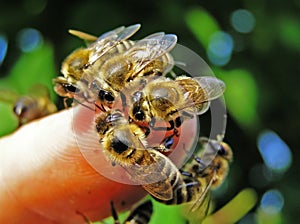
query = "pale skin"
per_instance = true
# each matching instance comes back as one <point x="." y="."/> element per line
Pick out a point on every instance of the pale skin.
<point x="45" y="177"/>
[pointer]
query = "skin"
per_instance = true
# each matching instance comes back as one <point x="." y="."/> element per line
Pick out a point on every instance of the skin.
<point x="54" y="167"/>
<point x="45" y="178"/>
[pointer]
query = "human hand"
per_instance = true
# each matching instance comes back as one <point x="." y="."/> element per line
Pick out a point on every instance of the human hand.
<point x="45" y="178"/>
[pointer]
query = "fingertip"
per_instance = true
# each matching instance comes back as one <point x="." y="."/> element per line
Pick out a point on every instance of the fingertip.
<point x="52" y="178"/>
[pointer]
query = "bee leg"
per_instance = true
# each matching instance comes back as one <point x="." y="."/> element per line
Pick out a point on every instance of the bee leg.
<point x="65" y="103"/>
<point x="86" y="106"/>
<point x="152" y="125"/>
<point x="186" y="173"/>
<point x="168" y="141"/>
<point x="145" y="129"/>
<point x="114" y="213"/>
<point x="188" y="115"/>
<point x="84" y="217"/>
<point x="123" y="99"/>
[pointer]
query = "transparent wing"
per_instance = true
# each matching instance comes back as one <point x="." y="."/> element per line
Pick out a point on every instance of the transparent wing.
<point x="213" y="87"/>
<point x="39" y="90"/>
<point x="110" y="39"/>
<point x="8" y="96"/>
<point x="155" y="177"/>
<point x="151" y="48"/>
<point x="209" y="88"/>
<point x="204" y="197"/>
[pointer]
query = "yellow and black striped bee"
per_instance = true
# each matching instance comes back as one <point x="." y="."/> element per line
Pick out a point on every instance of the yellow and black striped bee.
<point x="211" y="167"/>
<point x="100" y="71"/>
<point x="34" y="105"/>
<point x="140" y="214"/>
<point x="73" y="67"/>
<point x="124" y="144"/>
<point x="172" y="101"/>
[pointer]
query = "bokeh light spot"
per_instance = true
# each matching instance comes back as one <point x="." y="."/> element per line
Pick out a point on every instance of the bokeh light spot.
<point x="220" y="48"/>
<point x="272" y="201"/>
<point x="29" y="39"/>
<point x="242" y="21"/>
<point x="3" y="48"/>
<point x="274" y="151"/>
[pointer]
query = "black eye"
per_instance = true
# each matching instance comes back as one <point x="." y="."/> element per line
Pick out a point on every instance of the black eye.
<point x="70" y="88"/>
<point x="221" y="150"/>
<point x="140" y="116"/>
<point x="138" y="113"/>
<point x="105" y="95"/>
<point x="20" y="109"/>
<point x="119" y="146"/>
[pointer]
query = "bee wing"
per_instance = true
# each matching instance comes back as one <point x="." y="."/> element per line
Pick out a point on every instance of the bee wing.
<point x="151" y="48"/>
<point x="204" y="198"/>
<point x="213" y="87"/>
<point x="110" y="39"/>
<point x="39" y="90"/>
<point x="210" y="87"/>
<point x="8" y="96"/>
<point x="161" y="186"/>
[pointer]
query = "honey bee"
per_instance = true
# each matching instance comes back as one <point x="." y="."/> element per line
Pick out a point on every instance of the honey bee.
<point x="74" y="65"/>
<point x="211" y="168"/>
<point x="100" y="71"/>
<point x="124" y="144"/>
<point x="148" y="57"/>
<point x="34" y="105"/>
<point x="173" y="100"/>
<point x="140" y="214"/>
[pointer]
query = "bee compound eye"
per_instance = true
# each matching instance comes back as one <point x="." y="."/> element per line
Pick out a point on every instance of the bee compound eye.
<point x="221" y="150"/>
<point x="105" y="95"/>
<point x="139" y="115"/>
<point x="20" y="109"/>
<point x="119" y="146"/>
<point x="70" y="88"/>
<point x="109" y="97"/>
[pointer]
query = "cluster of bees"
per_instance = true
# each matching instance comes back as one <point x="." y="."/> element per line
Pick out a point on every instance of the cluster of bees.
<point x="126" y="82"/>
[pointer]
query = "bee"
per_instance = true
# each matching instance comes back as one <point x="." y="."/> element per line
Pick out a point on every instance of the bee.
<point x="148" y="57"/>
<point x="101" y="70"/>
<point x="140" y="214"/>
<point x="210" y="168"/>
<point x="124" y="144"/>
<point x="34" y="105"/>
<point x="74" y="65"/>
<point x="173" y="100"/>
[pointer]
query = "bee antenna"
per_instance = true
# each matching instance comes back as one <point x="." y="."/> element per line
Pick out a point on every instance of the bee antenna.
<point x="86" y="106"/>
<point x="114" y="212"/>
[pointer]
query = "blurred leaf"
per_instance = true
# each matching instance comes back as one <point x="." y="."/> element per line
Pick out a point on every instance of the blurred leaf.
<point x="234" y="210"/>
<point x="289" y="32"/>
<point x="202" y="24"/>
<point x="166" y="214"/>
<point x="33" y="67"/>
<point x="8" y="121"/>
<point x="268" y="218"/>
<point x="241" y="96"/>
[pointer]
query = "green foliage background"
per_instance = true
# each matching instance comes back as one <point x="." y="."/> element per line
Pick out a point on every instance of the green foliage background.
<point x="262" y="76"/>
